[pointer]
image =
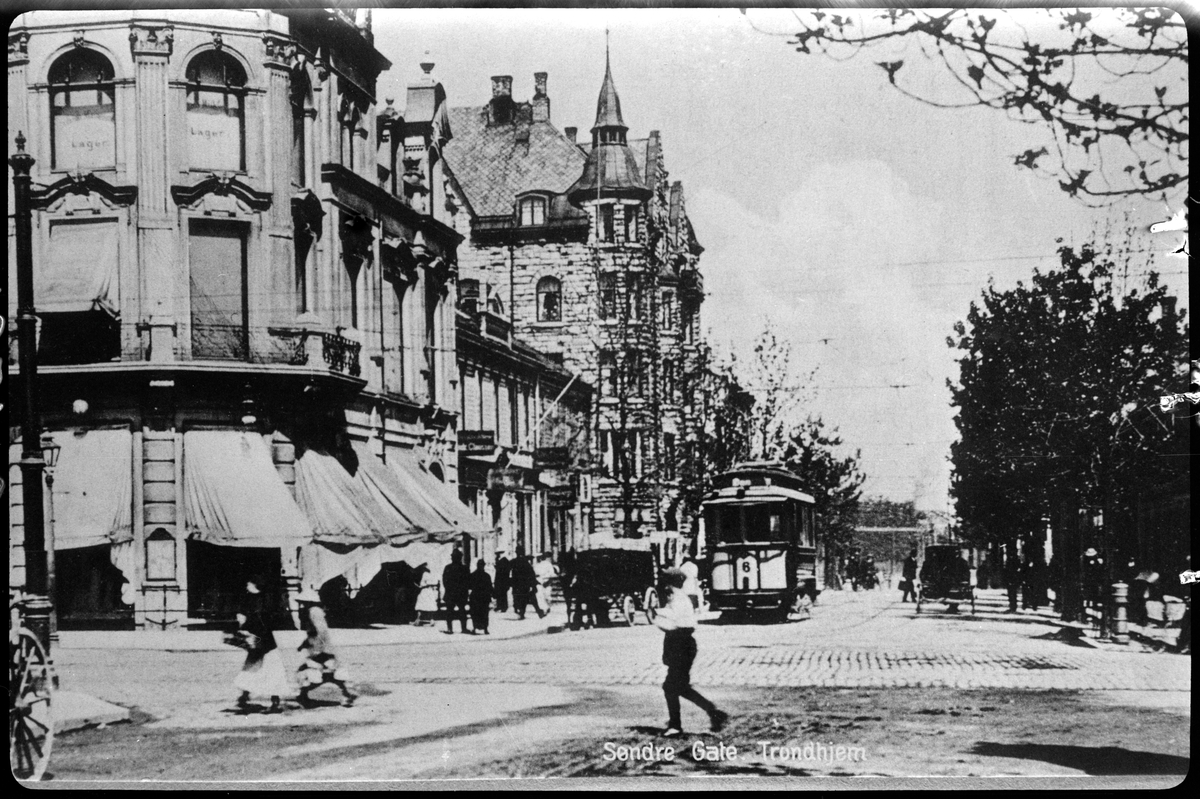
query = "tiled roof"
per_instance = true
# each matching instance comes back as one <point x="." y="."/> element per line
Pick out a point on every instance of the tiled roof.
<point x="492" y="167"/>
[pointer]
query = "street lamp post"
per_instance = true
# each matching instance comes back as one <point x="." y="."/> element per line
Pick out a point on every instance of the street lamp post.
<point x="37" y="607"/>
<point x="50" y="451"/>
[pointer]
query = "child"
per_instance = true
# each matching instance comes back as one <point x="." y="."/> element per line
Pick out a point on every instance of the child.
<point x="677" y="620"/>
<point x="320" y="665"/>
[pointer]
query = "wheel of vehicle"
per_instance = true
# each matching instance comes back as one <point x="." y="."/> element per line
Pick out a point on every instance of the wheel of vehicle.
<point x="650" y="604"/>
<point x="30" y="722"/>
<point x="628" y="609"/>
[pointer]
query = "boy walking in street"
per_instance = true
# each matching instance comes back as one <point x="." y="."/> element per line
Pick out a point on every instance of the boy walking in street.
<point x="677" y="620"/>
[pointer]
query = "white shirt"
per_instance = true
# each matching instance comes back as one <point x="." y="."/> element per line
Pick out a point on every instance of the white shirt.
<point x="677" y="614"/>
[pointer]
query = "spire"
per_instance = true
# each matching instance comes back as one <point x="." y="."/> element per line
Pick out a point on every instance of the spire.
<point x="608" y="106"/>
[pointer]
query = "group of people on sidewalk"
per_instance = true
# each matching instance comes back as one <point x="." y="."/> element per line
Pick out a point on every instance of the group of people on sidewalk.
<point x="473" y="593"/>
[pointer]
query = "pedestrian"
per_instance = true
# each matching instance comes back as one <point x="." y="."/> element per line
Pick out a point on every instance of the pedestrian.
<point x="870" y="574"/>
<point x="1093" y="582"/>
<point x="544" y="571"/>
<point x="1035" y="582"/>
<point x="262" y="673"/>
<point x="426" y="588"/>
<point x="503" y="581"/>
<point x="910" y="575"/>
<point x="1012" y="577"/>
<point x="320" y="664"/>
<point x="691" y="581"/>
<point x="480" y="597"/>
<point x="456" y="587"/>
<point x="677" y="620"/>
<point x="524" y="583"/>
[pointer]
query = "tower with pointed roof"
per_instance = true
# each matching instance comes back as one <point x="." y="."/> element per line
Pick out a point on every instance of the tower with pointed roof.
<point x="587" y="250"/>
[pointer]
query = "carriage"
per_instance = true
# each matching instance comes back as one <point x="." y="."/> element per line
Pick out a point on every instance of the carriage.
<point x="945" y="578"/>
<point x="624" y="582"/>
<point x="761" y="541"/>
<point x="30" y="694"/>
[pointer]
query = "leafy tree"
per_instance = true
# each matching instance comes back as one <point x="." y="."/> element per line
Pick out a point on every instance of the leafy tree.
<point x="1110" y="84"/>
<point x="880" y="512"/>
<point x="834" y="482"/>
<point x="1057" y="393"/>
<point x="777" y="392"/>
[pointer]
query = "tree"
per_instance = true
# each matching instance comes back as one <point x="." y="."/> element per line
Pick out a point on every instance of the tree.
<point x="1110" y="84"/>
<point x="1057" y="394"/>
<point x="768" y="375"/>
<point x="834" y="482"/>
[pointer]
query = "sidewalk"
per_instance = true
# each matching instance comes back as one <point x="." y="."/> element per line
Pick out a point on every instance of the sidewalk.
<point x="501" y="626"/>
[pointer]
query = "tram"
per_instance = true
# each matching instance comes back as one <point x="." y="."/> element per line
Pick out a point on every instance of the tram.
<point x="761" y="541"/>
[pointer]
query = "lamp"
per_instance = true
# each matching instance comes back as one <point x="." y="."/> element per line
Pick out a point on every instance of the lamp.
<point x="249" y="418"/>
<point x="50" y="451"/>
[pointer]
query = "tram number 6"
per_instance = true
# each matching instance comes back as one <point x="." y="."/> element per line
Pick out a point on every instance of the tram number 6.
<point x="746" y="565"/>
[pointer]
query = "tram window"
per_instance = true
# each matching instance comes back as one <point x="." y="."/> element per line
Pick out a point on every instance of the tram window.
<point x="762" y="523"/>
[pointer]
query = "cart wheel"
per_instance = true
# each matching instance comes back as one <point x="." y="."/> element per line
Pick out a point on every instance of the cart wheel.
<point x="628" y="609"/>
<point x="650" y="603"/>
<point x="30" y="722"/>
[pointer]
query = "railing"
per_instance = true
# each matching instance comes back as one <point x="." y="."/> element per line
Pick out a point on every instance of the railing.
<point x="341" y="354"/>
<point x="294" y="346"/>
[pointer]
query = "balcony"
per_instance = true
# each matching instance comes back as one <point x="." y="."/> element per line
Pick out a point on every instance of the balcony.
<point x="303" y="347"/>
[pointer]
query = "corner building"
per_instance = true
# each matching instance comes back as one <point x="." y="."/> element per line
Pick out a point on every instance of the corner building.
<point x="246" y="295"/>
<point x="587" y="248"/>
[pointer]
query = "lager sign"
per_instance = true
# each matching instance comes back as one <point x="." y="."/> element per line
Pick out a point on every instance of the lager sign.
<point x="551" y="458"/>
<point x="84" y="141"/>
<point x="214" y="140"/>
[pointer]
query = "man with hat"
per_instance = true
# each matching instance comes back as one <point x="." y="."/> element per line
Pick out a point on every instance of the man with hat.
<point x="320" y="665"/>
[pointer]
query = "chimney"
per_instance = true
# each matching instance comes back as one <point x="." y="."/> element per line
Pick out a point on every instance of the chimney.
<point x="570" y="133"/>
<point x="500" y="109"/>
<point x="541" y="102"/>
<point x="501" y="86"/>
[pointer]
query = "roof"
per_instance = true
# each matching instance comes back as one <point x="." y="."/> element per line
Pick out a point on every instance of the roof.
<point x="608" y="104"/>
<point x="492" y="167"/>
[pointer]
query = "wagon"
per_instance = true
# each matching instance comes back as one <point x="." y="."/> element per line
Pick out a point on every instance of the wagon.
<point x="606" y="580"/>
<point x="30" y="692"/>
<point x="944" y="578"/>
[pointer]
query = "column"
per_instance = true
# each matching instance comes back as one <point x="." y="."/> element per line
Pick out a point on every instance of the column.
<point x="152" y="43"/>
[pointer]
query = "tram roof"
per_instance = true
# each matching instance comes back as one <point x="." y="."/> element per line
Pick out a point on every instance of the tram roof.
<point x="760" y="472"/>
<point x="749" y="495"/>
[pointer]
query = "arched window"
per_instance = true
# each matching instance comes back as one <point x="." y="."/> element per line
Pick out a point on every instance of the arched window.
<point x="83" y="132"/>
<point x="533" y="211"/>
<point x="216" y="112"/>
<point x="549" y="300"/>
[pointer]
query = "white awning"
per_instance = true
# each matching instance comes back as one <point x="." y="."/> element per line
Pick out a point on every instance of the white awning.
<point x="232" y="495"/>
<point x="339" y="505"/>
<point x="93" y="500"/>
<point x="399" y="494"/>
<point x="438" y="494"/>
<point x="79" y="271"/>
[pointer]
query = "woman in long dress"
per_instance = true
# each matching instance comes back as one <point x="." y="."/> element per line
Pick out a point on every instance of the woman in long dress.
<point x="427" y="598"/>
<point x="262" y="674"/>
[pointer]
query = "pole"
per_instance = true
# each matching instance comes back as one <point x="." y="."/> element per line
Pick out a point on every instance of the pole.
<point x="37" y="608"/>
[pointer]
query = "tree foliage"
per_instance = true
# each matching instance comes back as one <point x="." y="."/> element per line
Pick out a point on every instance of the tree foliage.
<point x="1110" y="84"/>
<point x="881" y="512"/>
<point x="834" y="482"/>
<point x="1057" y="393"/>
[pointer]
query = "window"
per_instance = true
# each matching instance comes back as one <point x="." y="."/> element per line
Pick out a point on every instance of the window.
<point x="217" y="281"/>
<point x="637" y="375"/>
<point x="666" y="310"/>
<point x="549" y="300"/>
<point x="608" y="373"/>
<point x="668" y="455"/>
<point x="83" y="132"/>
<point x="621" y="454"/>
<point x="668" y="380"/>
<point x="216" y="98"/>
<point x="468" y="296"/>
<point x="637" y="297"/>
<point x="604" y="223"/>
<point x="631" y="221"/>
<point x="533" y="211"/>
<point x="608" y="296"/>
<point x="506" y="415"/>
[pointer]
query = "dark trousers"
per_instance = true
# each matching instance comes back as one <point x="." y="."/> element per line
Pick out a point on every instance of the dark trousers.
<point x="523" y="598"/>
<point x="679" y="650"/>
<point x="501" y="599"/>
<point x="456" y="608"/>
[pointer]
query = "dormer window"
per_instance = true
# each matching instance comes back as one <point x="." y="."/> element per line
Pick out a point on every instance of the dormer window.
<point x="468" y="296"/>
<point x="533" y="211"/>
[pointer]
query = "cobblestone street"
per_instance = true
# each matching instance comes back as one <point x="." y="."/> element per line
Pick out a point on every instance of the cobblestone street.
<point x="531" y="704"/>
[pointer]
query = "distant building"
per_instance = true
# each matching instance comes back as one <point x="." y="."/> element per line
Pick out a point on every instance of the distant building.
<point x="247" y="289"/>
<point x="588" y="250"/>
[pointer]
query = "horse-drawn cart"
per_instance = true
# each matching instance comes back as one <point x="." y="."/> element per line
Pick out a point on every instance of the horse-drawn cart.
<point x="603" y="581"/>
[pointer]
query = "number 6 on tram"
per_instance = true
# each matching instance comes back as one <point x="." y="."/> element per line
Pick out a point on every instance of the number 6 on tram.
<point x="761" y="540"/>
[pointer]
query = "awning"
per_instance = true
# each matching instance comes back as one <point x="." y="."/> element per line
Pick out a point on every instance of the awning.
<point x="339" y="505"/>
<point x="439" y="495"/>
<point x="391" y="490"/>
<point x="232" y="495"/>
<point x="93" y="501"/>
<point x="79" y="272"/>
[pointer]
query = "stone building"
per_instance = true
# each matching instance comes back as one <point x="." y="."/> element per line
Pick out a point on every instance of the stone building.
<point x="247" y="298"/>
<point x="587" y="248"/>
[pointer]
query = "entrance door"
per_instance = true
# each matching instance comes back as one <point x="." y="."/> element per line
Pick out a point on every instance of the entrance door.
<point x="89" y="590"/>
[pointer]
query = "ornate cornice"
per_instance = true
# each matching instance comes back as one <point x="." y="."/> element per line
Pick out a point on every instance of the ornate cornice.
<point x="151" y="39"/>
<point x="18" y="48"/>
<point x="83" y="183"/>
<point x="278" y="50"/>
<point x="222" y="184"/>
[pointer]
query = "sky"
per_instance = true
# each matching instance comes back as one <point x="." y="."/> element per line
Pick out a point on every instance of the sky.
<point x="856" y="222"/>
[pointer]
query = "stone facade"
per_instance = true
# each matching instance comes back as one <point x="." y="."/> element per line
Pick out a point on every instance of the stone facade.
<point x="172" y="145"/>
